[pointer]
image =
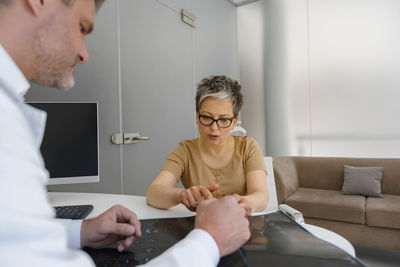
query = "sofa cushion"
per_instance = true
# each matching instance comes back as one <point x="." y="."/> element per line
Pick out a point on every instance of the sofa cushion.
<point x="319" y="173"/>
<point x="328" y="204"/>
<point x="362" y="181"/>
<point x="383" y="212"/>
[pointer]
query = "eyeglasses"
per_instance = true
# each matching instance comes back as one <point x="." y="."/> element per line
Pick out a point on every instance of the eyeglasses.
<point x="221" y="123"/>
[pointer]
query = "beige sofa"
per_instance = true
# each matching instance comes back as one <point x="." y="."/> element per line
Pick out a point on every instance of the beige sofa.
<point x="313" y="186"/>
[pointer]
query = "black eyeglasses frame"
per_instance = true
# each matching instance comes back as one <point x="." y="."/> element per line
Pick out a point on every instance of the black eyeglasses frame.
<point x="215" y="120"/>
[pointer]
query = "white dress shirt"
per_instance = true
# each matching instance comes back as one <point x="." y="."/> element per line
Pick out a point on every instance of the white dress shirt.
<point x="29" y="234"/>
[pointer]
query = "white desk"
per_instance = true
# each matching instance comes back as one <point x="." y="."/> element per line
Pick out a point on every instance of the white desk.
<point x="331" y="237"/>
<point x="102" y="202"/>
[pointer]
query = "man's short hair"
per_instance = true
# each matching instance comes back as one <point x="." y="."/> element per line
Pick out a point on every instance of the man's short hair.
<point x="5" y="2"/>
<point x="98" y="3"/>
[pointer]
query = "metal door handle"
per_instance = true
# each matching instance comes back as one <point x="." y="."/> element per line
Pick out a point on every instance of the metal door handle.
<point x="140" y="138"/>
<point x="127" y="138"/>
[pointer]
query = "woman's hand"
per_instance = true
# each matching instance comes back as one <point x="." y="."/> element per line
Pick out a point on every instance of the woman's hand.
<point x="256" y="198"/>
<point x="196" y="193"/>
<point x="245" y="203"/>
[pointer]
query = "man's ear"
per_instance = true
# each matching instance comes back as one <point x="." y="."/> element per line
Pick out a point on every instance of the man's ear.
<point x="36" y="6"/>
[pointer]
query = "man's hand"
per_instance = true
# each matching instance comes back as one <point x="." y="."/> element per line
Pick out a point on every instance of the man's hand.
<point x="117" y="223"/>
<point x="196" y="193"/>
<point x="225" y="221"/>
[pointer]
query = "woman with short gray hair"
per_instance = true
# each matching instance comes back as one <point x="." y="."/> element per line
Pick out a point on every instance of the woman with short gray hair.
<point x="220" y="87"/>
<point x="215" y="164"/>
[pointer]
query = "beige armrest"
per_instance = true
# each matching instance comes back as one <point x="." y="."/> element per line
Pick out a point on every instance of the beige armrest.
<point x="295" y="214"/>
<point x="286" y="178"/>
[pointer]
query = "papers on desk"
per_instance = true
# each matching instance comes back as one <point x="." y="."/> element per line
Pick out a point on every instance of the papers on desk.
<point x="265" y="212"/>
<point x="275" y="239"/>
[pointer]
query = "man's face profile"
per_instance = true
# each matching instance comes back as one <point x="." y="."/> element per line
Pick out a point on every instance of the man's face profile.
<point x="60" y="43"/>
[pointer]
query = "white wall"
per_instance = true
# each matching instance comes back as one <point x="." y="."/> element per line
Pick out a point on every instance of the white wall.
<point x="331" y="76"/>
<point x="251" y="69"/>
<point x="215" y="39"/>
<point x="355" y="77"/>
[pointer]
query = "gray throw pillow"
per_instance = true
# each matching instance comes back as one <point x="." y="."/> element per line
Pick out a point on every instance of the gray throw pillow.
<point x="362" y="181"/>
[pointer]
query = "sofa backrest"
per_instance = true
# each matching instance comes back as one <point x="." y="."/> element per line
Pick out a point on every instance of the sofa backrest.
<point x="286" y="179"/>
<point x="327" y="172"/>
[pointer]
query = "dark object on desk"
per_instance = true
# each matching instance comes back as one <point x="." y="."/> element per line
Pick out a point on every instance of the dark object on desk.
<point x="73" y="212"/>
<point x="276" y="240"/>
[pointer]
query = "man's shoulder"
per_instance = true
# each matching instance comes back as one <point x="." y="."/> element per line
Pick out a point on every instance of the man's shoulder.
<point x="15" y="128"/>
<point x="9" y="110"/>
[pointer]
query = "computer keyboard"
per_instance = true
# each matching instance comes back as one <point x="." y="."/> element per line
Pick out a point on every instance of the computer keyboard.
<point x="73" y="212"/>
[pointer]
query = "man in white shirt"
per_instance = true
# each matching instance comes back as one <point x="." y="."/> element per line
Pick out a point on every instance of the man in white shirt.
<point x="41" y="41"/>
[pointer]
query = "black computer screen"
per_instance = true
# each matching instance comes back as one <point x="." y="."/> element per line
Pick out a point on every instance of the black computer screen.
<point x="70" y="143"/>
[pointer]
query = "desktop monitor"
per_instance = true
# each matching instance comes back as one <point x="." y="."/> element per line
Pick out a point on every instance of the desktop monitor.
<point x="70" y="146"/>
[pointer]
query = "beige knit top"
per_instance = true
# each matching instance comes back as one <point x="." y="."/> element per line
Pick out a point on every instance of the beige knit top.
<point x="185" y="163"/>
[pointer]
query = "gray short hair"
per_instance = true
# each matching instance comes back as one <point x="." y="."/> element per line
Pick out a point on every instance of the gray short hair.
<point x="220" y="87"/>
